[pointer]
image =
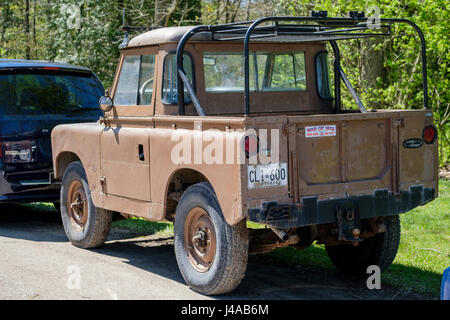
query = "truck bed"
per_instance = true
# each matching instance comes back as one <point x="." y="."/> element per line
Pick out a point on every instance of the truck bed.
<point x="362" y="158"/>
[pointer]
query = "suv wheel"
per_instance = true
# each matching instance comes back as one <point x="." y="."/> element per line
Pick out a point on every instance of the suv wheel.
<point x="211" y="254"/>
<point x="85" y="225"/>
<point x="379" y="250"/>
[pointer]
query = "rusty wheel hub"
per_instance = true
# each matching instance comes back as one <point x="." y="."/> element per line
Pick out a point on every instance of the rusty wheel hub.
<point x="77" y="204"/>
<point x="200" y="239"/>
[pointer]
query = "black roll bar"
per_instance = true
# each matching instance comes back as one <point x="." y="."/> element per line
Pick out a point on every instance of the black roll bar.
<point x="325" y="26"/>
<point x="337" y="80"/>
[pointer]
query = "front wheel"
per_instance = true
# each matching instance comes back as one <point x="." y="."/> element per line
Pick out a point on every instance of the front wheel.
<point x="379" y="250"/>
<point x="85" y="225"/>
<point x="211" y="254"/>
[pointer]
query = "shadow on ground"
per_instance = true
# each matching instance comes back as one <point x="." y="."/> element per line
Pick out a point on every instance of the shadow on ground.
<point x="265" y="278"/>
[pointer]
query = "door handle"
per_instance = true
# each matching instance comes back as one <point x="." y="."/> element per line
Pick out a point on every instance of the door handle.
<point x="141" y="152"/>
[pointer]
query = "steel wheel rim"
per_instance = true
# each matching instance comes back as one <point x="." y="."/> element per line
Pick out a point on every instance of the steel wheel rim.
<point x="77" y="204"/>
<point x="200" y="239"/>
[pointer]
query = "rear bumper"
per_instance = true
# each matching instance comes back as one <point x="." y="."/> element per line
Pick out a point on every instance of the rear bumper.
<point x="28" y="190"/>
<point x="312" y="212"/>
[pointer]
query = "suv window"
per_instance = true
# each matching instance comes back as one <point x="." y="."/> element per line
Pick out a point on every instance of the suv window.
<point x="169" y="83"/>
<point x="135" y="84"/>
<point x="43" y="92"/>
<point x="224" y="72"/>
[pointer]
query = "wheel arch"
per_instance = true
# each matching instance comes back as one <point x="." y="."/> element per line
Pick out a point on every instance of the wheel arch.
<point x="63" y="159"/>
<point x="228" y="201"/>
<point x="179" y="180"/>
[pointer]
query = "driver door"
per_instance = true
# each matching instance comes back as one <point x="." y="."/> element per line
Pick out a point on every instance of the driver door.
<point x="125" y="144"/>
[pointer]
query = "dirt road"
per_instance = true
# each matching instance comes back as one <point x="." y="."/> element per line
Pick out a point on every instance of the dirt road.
<point x="38" y="262"/>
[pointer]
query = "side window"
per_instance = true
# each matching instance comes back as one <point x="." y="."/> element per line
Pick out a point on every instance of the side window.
<point x="169" y="85"/>
<point x="135" y="84"/>
<point x="323" y="80"/>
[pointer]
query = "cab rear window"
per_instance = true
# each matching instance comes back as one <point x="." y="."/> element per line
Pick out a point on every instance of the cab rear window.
<point x="42" y="92"/>
<point x="224" y="72"/>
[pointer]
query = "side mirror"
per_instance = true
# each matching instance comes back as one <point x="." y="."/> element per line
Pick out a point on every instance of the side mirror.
<point x="106" y="103"/>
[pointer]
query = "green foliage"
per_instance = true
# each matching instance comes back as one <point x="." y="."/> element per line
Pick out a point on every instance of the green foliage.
<point x="84" y="32"/>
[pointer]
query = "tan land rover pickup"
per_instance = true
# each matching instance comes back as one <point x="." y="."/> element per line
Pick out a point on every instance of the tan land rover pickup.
<point x="211" y="127"/>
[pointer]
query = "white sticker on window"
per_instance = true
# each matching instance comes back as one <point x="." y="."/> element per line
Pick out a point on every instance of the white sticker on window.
<point x="320" y="131"/>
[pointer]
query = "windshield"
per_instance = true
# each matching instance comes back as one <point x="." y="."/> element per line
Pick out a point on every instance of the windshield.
<point x="48" y="93"/>
<point x="268" y="71"/>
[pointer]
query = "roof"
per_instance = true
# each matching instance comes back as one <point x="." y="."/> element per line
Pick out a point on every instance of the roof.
<point x="162" y="35"/>
<point x="17" y="63"/>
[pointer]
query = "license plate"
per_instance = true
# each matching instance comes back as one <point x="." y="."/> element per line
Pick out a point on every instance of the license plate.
<point x="267" y="175"/>
<point x="23" y="155"/>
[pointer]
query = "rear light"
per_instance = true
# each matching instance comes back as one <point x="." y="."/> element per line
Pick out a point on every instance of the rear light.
<point x="51" y="68"/>
<point x="251" y="146"/>
<point x="429" y="134"/>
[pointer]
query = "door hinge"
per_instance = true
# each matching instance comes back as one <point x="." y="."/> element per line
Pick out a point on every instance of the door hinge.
<point x="103" y="183"/>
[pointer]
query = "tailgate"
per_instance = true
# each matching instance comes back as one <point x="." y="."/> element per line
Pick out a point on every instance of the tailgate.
<point x="350" y="154"/>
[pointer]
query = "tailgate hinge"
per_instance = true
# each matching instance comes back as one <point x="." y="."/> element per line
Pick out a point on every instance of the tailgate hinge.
<point x="399" y="123"/>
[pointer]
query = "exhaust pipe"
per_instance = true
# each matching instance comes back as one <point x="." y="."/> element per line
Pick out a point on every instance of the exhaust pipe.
<point x="280" y="233"/>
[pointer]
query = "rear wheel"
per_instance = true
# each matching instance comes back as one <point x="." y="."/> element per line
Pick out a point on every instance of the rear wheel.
<point x="211" y="254"/>
<point x="379" y="250"/>
<point x="85" y="225"/>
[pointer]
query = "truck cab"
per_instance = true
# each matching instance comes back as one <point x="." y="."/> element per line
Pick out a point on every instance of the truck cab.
<point x="213" y="126"/>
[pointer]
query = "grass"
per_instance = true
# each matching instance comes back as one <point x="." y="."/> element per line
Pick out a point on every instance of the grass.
<point x="140" y="225"/>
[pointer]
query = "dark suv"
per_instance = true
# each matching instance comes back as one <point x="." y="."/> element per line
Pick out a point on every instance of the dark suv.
<point x="35" y="96"/>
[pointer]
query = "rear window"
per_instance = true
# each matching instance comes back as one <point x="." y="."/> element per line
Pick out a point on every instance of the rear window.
<point x="224" y="72"/>
<point x="48" y="93"/>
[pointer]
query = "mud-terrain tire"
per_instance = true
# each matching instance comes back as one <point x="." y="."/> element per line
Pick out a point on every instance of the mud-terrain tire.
<point x="379" y="250"/>
<point x="85" y="225"/>
<point x="220" y="267"/>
